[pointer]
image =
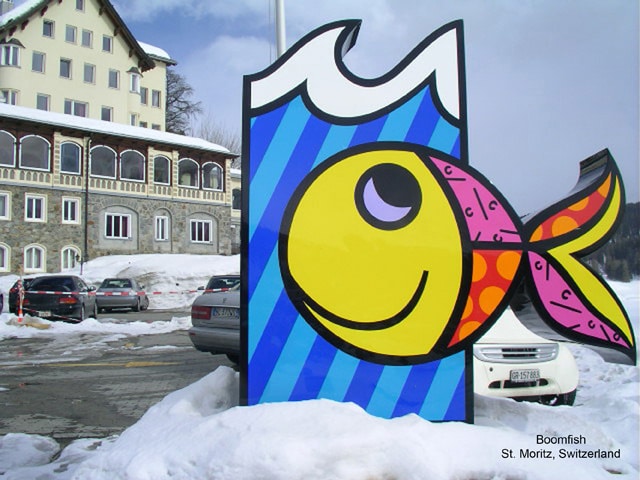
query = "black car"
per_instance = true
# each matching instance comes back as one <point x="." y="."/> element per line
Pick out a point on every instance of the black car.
<point x="13" y="293"/>
<point x="221" y="282"/>
<point x="60" y="297"/>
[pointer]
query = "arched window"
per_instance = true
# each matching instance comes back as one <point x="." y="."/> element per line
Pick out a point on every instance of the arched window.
<point x="69" y="257"/>
<point x="34" y="259"/>
<point x="34" y="152"/>
<point x="188" y="173"/>
<point x="4" y="257"/>
<point x="161" y="168"/>
<point x="7" y="149"/>
<point x="212" y="176"/>
<point x="132" y="165"/>
<point x="70" y="157"/>
<point x="103" y="162"/>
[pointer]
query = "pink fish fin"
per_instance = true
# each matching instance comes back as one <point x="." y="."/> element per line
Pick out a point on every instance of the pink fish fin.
<point x="577" y="303"/>
<point x="570" y="297"/>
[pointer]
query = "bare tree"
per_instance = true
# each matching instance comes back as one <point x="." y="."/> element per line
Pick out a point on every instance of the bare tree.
<point x="215" y="132"/>
<point x="180" y="109"/>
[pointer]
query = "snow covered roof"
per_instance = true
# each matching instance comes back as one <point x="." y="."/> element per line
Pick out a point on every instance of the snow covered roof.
<point x="157" y="53"/>
<point x="91" y="125"/>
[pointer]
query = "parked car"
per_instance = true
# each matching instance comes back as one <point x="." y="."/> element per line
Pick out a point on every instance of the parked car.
<point x="511" y="361"/>
<point x="508" y="361"/>
<point x="116" y="293"/>
<point x="13" y="293"/>
<point x="67" y="298"/>
<point x="220" y="282"/>
<point x="215" y="316"/>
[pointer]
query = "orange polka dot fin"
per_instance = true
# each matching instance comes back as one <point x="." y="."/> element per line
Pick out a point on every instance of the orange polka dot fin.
<point x="492" y="276"/>
<point x="574" y="216"/>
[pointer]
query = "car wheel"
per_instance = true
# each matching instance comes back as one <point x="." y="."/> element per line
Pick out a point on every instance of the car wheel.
<point x="136" y="307"/>
<point x="145" y="304"/>
<point x="82" y="314"/>
<point x="95" y="311"/>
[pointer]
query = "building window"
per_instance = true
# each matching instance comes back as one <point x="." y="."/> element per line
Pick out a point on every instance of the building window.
<point x="117" y="226"/>
<point x="212" y="176"/>
<point x="35" y="208"/>
<point x="144" y="95"/>
<point x="162" y="228"/>
<point x="80" y="5"/>
<point x="133" y="119"/>
<point x="70" y="158"/>
<point x="201" y="231"/>
<point x="37" y="62"/>
<point x="107" y="114"/>
<point x="4" y="257"/>
<point x="10" y="97"/>
<point x="87" y="38"/>
<point x="155" y="126"/>
<point x="114" y="79"/>
<point x="65" y="68"/>
<point x="34" y="259"/>
<point x="5" y="206"/>
<point x="70" y="210"/>
<point x="69" y="258"/>
<point x="103" y="162"/>
<point x="107" y="43"/>
<point x="144" y="124"/>
<point x="187" y="173"/>
<point x="161" y="170"/>
<point x="236" y="202"/>
<point x="155" y="98"/>
<point x="70" y="34"/>
<point x="132" y="166"/>
<point x="7" y="149"/>
<point x="10" y="55"/>
<point x="48" y="28"/>
<point x="89" y="73"/>
<point x="34" y="153"/>
<point x="42" y="102"/>
<point x="73" y="107"/>
<point x="134" y="82"/>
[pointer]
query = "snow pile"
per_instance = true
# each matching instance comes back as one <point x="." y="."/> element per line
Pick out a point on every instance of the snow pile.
<point x="200" y="432"/>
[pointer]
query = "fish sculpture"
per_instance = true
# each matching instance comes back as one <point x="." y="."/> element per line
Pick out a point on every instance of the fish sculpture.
<point x="374" y="255"/>
<point x="399" y="254"/>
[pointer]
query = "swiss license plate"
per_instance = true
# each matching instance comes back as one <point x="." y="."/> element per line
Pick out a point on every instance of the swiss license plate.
<point x="522" y="376"/>
<point x="43" y="313"/>
<point x="225" y="312"/>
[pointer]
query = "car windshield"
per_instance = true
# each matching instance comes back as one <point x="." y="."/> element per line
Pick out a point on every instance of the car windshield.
<point x="116" y="283"/>
<point x="223" y="282"/>
<point x="55" y="284"/>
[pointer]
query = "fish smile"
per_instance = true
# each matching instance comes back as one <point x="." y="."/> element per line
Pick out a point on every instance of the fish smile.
<point x="377" y="324"/>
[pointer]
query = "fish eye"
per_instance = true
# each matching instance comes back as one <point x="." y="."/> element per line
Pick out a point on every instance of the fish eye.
<point x="388" y="196"/>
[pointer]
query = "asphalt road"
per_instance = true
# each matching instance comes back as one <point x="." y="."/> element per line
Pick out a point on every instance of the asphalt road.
<point x="99" y="395"/>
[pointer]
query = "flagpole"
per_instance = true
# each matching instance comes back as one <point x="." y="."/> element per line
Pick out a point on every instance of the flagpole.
<point x="280" y="28"/>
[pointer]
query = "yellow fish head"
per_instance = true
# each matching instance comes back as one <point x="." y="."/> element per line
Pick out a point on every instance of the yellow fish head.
<point x="371" y="255"/>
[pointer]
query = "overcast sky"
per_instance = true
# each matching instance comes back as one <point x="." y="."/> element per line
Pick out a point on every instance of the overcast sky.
<point x="549" y="82"/>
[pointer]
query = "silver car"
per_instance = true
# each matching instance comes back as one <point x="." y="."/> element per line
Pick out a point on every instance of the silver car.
<point x="215" y="316"/>
<point x="115" y="293"/>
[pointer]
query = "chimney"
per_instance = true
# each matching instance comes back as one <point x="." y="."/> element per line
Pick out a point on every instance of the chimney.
<point x="5" y="6"/>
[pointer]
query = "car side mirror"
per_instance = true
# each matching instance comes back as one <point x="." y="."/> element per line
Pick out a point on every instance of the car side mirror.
<point x="92" y="288"/>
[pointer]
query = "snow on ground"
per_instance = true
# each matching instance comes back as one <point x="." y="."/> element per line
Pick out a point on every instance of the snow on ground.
<point x="200" y="432"/>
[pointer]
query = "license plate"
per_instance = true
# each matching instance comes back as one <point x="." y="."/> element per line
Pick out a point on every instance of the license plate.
<point x="522" y="376"/>
<point x="43" y="313"/>
<point x="225" y="312"/>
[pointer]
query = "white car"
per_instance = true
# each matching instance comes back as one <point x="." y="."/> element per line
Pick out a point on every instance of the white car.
<point x="511" y="361"/>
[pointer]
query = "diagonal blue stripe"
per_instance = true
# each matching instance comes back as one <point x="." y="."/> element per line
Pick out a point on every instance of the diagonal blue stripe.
<point x="339" y="377"/>
<point x="290" y="362"/>
<point x="443" y="387"/>
<point x="263" y="361"/>
<point x="424" y="121"/>
<point x="457" y="410"/>
<point x="368" y="132"/>
<point x="263" y="129"/>
<point x="415" y="389"/>
<point x="314" y="371"/>
<point x="444" y="136"/>
<point x="363" y="383"/>
<point x="387" y="391"/>
<point x="399" y="121"/>
<point x="338" y="138"/>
